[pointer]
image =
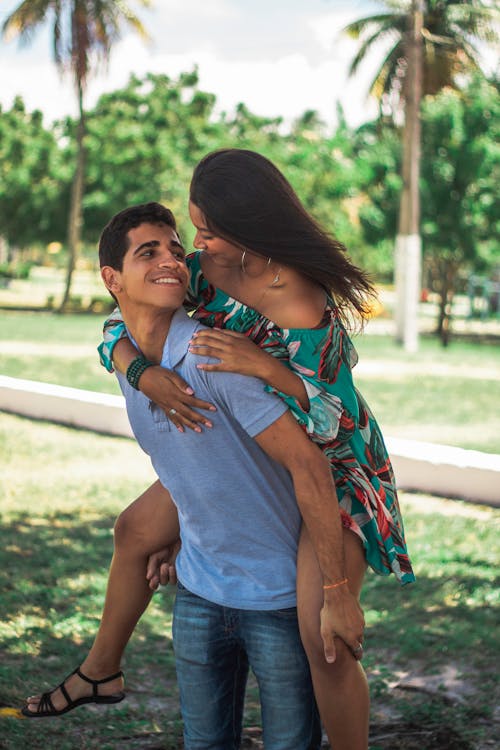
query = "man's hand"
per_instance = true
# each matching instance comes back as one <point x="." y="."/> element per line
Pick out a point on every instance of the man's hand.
<point x="161" y="566"/>
<point x="341" y="616"/>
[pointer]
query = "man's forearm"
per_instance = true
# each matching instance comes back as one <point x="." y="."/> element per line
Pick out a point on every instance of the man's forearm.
<point x="318" y="504"/>
<point x="316" y="496"/>
<point x="314" y="489"/>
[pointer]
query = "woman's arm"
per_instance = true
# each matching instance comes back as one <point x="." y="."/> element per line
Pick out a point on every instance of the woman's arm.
<point x="238" y="353"/>
<point x="318" y="403"/>
<point x="164" y="387"/>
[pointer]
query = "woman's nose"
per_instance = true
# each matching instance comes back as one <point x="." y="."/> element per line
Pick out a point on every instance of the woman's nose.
<point x="198" y="242"/>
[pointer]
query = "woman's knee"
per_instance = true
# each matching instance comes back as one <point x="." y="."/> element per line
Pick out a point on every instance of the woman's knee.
<point x="128" y="529"/>
<point x="344" y="662"/>
<point x="148" y="524"/>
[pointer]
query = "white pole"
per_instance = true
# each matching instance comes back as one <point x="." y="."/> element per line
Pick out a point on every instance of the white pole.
<point x="408" y="242"/>
<point x="408" y="267"/>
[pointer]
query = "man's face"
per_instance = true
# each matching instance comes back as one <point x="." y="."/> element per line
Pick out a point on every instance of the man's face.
<point x="154" y="269"/>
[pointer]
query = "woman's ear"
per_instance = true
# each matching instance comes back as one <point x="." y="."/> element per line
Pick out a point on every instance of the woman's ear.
<point x="112" y="279"/>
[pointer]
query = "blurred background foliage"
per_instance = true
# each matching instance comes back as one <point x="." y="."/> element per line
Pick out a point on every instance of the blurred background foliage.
<point x="144" y="140"/>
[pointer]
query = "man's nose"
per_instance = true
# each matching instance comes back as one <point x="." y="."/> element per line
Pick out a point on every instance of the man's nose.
<point x="167" y="259"/>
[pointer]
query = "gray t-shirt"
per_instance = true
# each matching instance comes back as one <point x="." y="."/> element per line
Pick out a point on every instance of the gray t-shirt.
<point x="238" y="514"/>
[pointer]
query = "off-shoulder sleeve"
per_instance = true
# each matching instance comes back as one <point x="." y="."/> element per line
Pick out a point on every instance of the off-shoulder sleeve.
<point x="197" y="282"/>
<point x="323" y="420"/>
<point x="323" y="358"/>
<point x="113" y="330"/>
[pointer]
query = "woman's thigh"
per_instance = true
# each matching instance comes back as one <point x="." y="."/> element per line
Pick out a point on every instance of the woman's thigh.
<point x="150" y="522"/>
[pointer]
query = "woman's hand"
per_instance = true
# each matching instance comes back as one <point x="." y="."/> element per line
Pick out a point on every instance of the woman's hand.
<point x="236" y="352"/>
<point x="172" y="394"/>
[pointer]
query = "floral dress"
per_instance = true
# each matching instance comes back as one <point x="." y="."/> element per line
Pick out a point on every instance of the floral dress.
<point x="339" y="419"/>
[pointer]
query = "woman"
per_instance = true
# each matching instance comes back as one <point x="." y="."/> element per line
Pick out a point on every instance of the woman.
<point x="277" y="291"/>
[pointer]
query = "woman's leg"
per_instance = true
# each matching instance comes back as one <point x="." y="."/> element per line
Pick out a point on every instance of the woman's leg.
<point x="341" y="688"/>
<point x="148" y="524"/>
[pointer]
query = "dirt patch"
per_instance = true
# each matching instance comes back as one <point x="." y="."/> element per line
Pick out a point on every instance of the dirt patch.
<point x="401" y="736"/>
<point x="436" y="700"/>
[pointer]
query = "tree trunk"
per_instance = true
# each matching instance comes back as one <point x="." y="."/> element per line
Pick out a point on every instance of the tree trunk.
<point x="408" y="242"/>
<point x="75" y="209"/>
<point x="441" y="311"/>
<point x="447" y="280"/>
<point x="446" y="322"/>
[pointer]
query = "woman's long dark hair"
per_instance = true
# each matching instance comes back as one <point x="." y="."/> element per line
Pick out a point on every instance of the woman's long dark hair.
<point x="245" y="199"/>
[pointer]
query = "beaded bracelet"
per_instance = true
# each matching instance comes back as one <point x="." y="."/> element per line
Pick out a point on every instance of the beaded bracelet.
<point x="135" y="370"/>
<point x="334" y="585"/>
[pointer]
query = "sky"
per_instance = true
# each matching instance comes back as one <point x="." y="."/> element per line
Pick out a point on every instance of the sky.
<point x="279" y="57"/>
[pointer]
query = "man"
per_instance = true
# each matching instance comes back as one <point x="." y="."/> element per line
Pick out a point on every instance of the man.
<point x="241" y="493"/>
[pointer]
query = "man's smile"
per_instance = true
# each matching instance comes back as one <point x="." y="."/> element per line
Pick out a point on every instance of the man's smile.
<point x="167" y="280"/>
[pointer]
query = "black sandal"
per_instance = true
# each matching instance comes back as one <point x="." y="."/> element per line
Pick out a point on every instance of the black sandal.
<point x="46" y="707"/>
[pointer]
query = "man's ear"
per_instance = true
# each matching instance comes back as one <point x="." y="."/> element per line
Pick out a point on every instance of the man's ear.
<point x="112" y="279"/>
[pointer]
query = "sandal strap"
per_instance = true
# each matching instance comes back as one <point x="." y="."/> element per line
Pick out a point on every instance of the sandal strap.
<point x="46" y="703"/>
<point x="95" y="683"/>
<point x="67" y="697"/>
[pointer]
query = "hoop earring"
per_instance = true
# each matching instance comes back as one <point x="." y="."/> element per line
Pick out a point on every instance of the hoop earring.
<point x="276" y="278"/>
<point x="277" y="275"/>
<point x="243" y="261"/>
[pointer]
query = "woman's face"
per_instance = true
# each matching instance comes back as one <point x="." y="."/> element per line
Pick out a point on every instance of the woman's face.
<point x="219" y="250"/>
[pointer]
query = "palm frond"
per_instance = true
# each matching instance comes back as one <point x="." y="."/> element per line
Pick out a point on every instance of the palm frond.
<point x="451" y="29"/>
<point x="132" y="19"/>
<point x="82" y="30"/>
<point x="385" y="76"/>
<point x="377" y="36"/>
<point x="26" y="18"/>
<point x="364" y="25"/>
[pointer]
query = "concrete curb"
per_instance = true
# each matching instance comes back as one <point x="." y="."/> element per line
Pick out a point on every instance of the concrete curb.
<point x="426" y="467"/>
<point x="100" y="412"/>
<point x="445" y="470"/>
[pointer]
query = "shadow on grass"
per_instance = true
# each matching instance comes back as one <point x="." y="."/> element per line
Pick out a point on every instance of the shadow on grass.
<point x="53" y="571"/>
<point x="431" y="661"/>
<point x="441" y="617"/>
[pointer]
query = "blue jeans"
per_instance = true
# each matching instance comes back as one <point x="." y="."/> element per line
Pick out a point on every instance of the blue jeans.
<point x="214" y="647"/>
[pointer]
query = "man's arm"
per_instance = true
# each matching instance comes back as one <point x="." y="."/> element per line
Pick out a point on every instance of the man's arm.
<point x="317" y="499"/>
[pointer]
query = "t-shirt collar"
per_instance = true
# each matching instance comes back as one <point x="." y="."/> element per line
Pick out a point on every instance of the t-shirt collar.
<point x="179" y="335"/>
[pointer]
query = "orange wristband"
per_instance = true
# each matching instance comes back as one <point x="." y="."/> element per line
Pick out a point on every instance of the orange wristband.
<point x="334" y="585"/>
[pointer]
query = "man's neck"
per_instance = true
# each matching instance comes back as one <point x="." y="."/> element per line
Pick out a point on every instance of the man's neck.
<point x="149" y="329"/>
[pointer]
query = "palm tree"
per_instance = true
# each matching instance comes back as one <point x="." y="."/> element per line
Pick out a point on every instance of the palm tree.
<point x="83" y="32"/>
<point x="450" y="33"/>
<point x="431" y="44"/>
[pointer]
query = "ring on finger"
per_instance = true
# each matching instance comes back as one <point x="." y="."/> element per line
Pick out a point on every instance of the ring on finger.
<point x="172" y="412"/>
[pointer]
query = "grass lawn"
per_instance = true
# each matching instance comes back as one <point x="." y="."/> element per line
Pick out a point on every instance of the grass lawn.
<point x="447" y="396"/>
<point x="430" y="652"/>
<point x="438" y="395"/>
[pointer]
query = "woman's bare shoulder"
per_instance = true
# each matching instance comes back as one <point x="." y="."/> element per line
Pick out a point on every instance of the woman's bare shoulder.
<point x="300" y="305"/>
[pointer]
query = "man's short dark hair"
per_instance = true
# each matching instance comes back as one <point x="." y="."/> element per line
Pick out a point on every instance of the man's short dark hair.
<point x="113" y="243"/>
